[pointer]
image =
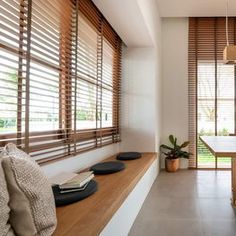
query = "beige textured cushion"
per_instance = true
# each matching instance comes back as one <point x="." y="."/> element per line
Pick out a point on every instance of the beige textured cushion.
<point x="31" y="198"/>
<point x="5" y="228"/>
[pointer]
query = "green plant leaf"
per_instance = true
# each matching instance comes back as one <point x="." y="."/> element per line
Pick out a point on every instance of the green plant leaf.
<point x="166" y="147"/>
<point x="185" y="144"/>
<point x="185" y="155"/>
<point x="175" y="151"/>
<point x="172" y="139"/>
<point x="175" y="143"/>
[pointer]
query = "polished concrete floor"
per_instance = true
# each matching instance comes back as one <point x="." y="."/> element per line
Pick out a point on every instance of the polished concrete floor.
<point x="188" y="203"/>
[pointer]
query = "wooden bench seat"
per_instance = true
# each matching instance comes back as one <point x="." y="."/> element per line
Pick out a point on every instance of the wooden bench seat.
<point x="90" y="216"/>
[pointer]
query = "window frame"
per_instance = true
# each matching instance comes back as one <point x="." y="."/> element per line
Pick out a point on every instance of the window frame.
<point x="73" y="137"/>
<point x="206" y="43"/>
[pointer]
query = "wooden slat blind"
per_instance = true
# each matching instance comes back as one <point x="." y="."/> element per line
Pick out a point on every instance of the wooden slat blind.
<point x="192" y="90"/>
<point x="13" y="67"/>
<point x="59" y="77"/>
<point x="211" y="83"/>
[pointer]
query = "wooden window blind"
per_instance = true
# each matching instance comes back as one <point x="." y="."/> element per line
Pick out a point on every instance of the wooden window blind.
<point x="60" y="65"/>
<point x="211" y="87"/>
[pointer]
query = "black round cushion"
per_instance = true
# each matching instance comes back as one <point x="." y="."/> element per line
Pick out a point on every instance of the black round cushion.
<point x="128" y="156"/>
<point x="62" y="199"/>
<point x="107" y="167"/>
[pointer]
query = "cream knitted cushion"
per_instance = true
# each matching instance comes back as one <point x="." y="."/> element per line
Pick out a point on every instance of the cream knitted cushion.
<point x="31" y="198"/>
<point x="5" y="227"/>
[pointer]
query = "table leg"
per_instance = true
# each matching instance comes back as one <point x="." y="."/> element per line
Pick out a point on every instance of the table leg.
<point x="233" y="176"/>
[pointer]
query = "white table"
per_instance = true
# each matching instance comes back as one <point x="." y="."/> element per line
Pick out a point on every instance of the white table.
<point x="224" y="146"/>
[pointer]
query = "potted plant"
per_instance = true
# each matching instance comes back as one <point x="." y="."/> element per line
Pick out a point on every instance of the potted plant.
<point x="173" y="153"/>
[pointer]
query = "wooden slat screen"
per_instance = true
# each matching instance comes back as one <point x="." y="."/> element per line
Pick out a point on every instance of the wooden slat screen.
<point x="211" y="83"/>
<point x="60" y="68"/>
<point x="14" y="26"/>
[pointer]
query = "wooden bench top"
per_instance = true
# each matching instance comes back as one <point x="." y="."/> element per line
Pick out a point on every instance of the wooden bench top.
<point x="91" y="215"/>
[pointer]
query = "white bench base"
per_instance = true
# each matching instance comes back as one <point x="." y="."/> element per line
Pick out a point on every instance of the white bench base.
<point x="122" y="221"/>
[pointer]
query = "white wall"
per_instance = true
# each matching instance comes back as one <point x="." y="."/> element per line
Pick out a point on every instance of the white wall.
<point x="141" y="88"/>
<point x="175" y="79"/>
<point x="80" y="161"/>
<point x="138" y="100"/>
<point x="150" y="11"/>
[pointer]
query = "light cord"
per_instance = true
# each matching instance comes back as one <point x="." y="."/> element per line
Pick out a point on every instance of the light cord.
<point x="226" y="22"/>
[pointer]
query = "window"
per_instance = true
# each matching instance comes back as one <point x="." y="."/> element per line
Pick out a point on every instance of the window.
<point x="211" y="88"/>
<point x="215" y="108"/>
<point x="60" y="66"/>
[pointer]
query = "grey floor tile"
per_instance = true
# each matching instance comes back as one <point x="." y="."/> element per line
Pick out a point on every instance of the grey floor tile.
<point x="171" y="208"/>
<point x="219" y="228"/>
<point x="188" y="203"/>
<point x="216" y="209"/>
<point x="167" y="228"/>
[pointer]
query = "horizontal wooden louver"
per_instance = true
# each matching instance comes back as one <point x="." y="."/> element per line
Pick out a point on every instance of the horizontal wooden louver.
<point x="50" y="85"/>
<point x="59" y="77"/>
<point x="91" y="13"/>
<point x="14" y="39"/>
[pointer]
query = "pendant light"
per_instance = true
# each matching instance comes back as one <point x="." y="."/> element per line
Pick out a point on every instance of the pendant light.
<point x="229" y="55"/>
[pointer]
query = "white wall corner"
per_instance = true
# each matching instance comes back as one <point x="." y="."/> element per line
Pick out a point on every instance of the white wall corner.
<point x="175" y="80"/>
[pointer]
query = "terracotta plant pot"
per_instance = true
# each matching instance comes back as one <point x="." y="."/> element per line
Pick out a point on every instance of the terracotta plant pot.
<point x="172" y="165"/>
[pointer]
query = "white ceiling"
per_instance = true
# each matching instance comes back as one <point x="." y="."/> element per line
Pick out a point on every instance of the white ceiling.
<point x="188" y="8"/>
<point x="126" y="18"/>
